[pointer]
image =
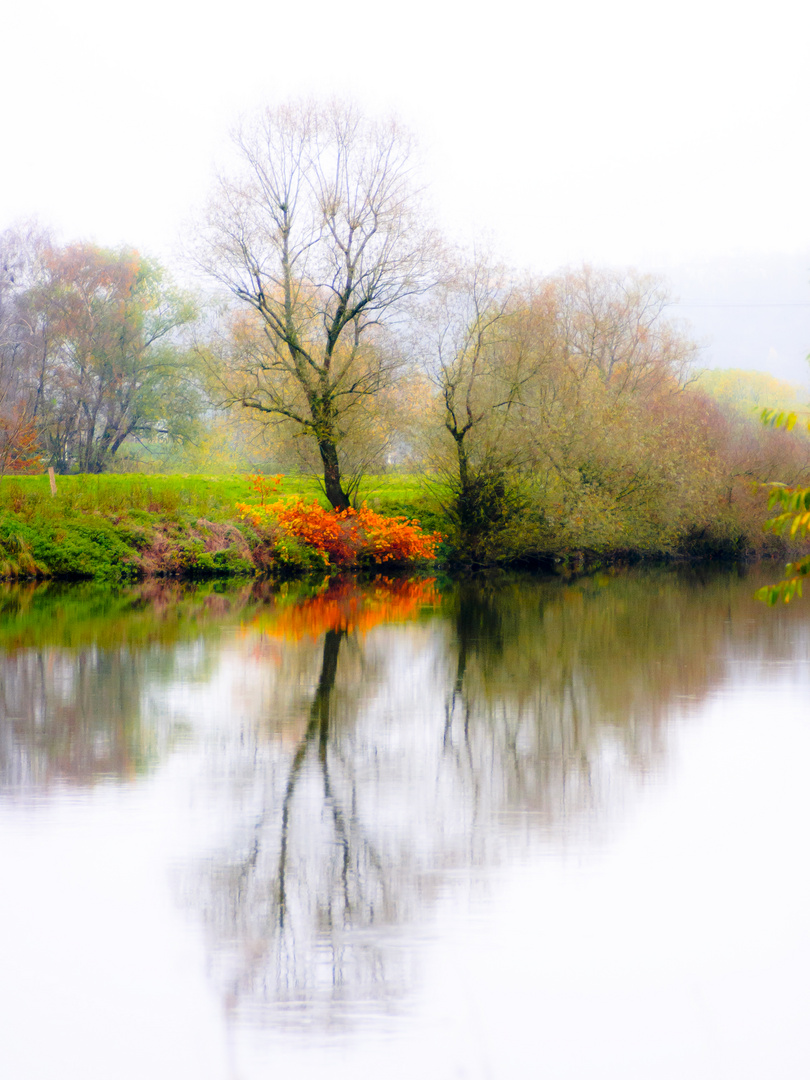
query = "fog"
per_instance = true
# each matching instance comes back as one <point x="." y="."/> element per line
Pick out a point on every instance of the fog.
<point x="667" y="138"/>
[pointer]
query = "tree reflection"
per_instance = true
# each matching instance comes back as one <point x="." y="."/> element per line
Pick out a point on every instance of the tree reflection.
<point x="381" y="744"/>
<point x="77" y="667"/>
<point x="312" y="873"/>
<point x="431" y="751"/>
<point x="70" y="718"/>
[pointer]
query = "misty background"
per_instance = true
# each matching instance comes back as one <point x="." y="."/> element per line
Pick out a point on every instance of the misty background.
<point x="668" y="139"/>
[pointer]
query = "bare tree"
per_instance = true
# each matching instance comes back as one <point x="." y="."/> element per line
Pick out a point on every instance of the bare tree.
<point x="319" y="239"/>
<point x="483" y="349"/>
<point x="471" y="325"/>
<point x="21" y="252"/>
<point x="115" y="368"/>
<point x="21" y="345"/>
<point x="90" y="352"/>
<point x="615" y="323"/>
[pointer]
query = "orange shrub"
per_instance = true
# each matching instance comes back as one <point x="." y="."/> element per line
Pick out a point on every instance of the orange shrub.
<point x="395" y="539"/>
<point x="264" y="486"/>
<point x="348" y="537"/>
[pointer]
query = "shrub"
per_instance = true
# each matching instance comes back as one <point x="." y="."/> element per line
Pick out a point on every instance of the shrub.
<point x="488" y="514"/>
<point x="344" y="538"/>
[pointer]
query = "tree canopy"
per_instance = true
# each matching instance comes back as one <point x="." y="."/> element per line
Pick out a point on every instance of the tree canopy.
<point x="91" y="351"/>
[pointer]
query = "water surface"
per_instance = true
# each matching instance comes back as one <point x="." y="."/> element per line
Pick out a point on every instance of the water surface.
<point x="504" y="827"/>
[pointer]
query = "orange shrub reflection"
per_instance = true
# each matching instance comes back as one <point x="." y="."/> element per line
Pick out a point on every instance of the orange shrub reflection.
<point x="347" y="606"/>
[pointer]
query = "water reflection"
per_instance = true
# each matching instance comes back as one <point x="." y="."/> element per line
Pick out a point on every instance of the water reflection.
<point x="82" y="667"/>
<point x="362" y="751"/>
<point x="316" y="867"/>
<point x="404" y="757"/>
<point x="75" y="718"/>
<point x="77" y="668"/>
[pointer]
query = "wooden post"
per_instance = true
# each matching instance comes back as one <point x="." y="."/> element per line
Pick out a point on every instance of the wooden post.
<point x="52" y="478"/>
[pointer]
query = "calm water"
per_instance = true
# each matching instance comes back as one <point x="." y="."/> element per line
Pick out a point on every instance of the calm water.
<point x="503" y="828"/>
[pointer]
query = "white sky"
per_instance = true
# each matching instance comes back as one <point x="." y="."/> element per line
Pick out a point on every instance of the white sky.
<point x="663" y="135"/>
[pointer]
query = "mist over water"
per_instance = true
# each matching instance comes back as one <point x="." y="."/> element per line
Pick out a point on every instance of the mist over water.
<point x="500" y="827"/>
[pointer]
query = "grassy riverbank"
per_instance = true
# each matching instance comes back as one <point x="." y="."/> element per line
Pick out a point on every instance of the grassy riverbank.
<point x="125" y="527"/>
<point x="128" y="527"/>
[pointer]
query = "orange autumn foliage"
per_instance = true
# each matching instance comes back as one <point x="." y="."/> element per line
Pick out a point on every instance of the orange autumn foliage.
<point x="348" y="607"/>
<point x="264" y="486"/>
<point x="348" y="537"/>
<point x="19" y="444"/>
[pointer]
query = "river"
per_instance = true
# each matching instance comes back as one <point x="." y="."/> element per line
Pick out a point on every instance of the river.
<point x="501" y="827"/>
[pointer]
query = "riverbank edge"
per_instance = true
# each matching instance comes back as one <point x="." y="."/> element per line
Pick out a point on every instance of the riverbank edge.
<point x="126" y="528"/>
<point x="96" y="547"/>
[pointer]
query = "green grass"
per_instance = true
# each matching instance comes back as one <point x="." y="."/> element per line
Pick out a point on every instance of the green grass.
<point x="405" y="495"/>
<point x="171" y="493"/>
<point x="115" y="527"/>
<point x="171" y="496"/>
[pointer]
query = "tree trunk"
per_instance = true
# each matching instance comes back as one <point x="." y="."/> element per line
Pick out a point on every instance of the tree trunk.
<point x="331" y="475"/>
<point x="463" y="461"/>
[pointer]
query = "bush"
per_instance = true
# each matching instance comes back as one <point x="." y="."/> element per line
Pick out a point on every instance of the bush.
<point x="488" y="517"/>
<point x="346" y="538"/>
